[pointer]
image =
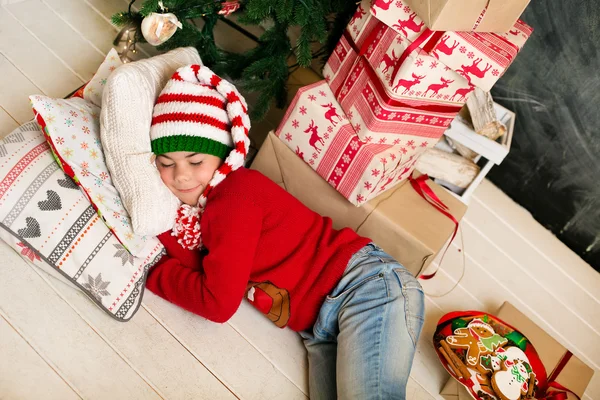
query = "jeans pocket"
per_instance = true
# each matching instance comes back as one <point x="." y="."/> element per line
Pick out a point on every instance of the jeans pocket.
<point x="414" y="303"/>
<point x="335" y="296"/>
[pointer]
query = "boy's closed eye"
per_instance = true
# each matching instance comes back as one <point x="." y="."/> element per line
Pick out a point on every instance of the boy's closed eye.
<point x="166" y="162"/>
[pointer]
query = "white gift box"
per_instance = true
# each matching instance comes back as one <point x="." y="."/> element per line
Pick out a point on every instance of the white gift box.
<point x="492" y="152"/>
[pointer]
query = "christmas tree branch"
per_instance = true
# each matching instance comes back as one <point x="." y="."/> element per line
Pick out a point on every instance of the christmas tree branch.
<point x="264" y="69"/>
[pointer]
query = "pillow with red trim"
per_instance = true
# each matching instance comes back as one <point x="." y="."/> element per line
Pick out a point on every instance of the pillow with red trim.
<point x="72" y="130"/>
<point x="490" y="358"/>
<point x="92" y="90"/>
<point x="49" y="221"/>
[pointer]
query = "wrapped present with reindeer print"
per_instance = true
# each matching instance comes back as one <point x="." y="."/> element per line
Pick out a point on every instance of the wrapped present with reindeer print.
<point x="480" y="57"/>
<point x="409" y="69"/>
<point x="318" y="131"/>
<point x="390" y="87"/>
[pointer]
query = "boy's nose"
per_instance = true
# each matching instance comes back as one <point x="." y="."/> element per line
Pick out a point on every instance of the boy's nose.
<point x="181" y="175"/>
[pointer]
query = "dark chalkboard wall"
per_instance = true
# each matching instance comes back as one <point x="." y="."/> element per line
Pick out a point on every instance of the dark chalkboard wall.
<point x="553" y="169"/>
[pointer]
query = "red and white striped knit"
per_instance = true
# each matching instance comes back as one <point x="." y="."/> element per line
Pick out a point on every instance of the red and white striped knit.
<point x="200" y="112"/>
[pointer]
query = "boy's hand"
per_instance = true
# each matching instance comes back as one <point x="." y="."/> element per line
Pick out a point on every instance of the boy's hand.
<point x="187" y="258"/>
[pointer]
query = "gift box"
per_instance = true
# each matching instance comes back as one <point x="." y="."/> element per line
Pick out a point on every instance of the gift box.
<point x="489" y="152"/>
<point x="340" y="63"/>
<point x="400" y="221"/>
<point x="374" y="92"/>
<point x="481" y="58"/>
<point x="377" y="117"/>
<point x="469" y="15"/>
<point x="317" y="130"/>
<point x="561" y="367"/>
<point x="346" y="51"/>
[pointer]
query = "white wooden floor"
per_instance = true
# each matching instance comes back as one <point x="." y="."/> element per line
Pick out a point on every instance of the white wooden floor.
<point x="54" y="343"/>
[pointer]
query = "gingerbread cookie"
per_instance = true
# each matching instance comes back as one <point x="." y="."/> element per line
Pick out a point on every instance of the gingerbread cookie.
<point x="512" y="381"/>
<point x="482" y="385"/>
<point x="510" y="355"/>
<point x="478" y="338"/>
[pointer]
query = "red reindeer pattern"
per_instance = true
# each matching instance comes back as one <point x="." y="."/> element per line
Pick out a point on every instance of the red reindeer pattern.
<point x="360" y="12"/>
<point x="436" y="87"/>
<point x="463" y="92"/>
<point x="474" y="70"/>
<point x="299" y="153"/>
<point x="314" y="136"/>
<point x="332" y="112"/>
<point x="407" y="84"/>
<point x="384" y="186"/>
<point x="384" y="5"/>
<point x="443" y="47"/>
<point x="389" y="61"/>
<point x="410" y="23"/>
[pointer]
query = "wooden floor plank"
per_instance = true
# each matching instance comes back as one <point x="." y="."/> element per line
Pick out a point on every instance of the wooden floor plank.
<point x="7" y="123"/>
<point x="20" y="365"/>
<point x="282" y="347"/>
<point x="15" y="91"/>
<point x="19" y="45"/>
<point x="148" y="346"/>
<point x="575" y="278"/>
<point x="61" y="336"/>
<point x="219" y="347"/>
<point x="540" y="242"/>
<point x="58" y="36"/>
<point x="89" y="24"/>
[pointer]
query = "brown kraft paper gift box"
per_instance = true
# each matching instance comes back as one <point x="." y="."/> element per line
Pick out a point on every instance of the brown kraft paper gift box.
<point x="575" y="376"/>
<point x="400" y="221"/>
<point x="463" y="15"/>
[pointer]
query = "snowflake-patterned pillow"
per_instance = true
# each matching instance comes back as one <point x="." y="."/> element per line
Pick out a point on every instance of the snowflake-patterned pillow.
<point x="49" y="221"/>
<point x="92" y="91"/>
<point x="72" y="129"/>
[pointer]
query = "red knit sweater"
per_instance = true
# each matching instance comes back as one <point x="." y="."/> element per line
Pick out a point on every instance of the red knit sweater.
<point x="261" y="243"/>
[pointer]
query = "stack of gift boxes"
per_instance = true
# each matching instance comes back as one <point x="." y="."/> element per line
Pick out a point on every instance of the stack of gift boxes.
<point x="393" y="85"/>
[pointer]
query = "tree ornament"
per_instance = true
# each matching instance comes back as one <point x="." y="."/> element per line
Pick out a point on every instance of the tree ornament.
<point x="158" y="28"/>
<point x="229" y="7"/>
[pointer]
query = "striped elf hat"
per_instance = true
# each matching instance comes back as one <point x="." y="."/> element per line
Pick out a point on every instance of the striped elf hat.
<point x="200" y="112"/>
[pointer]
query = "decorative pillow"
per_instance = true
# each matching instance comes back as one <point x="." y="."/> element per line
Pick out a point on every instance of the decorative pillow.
<point x="128" y="100"/>
<point x="72" y="129"/>
<point x="45" y="217"/>
<point x="92" y="91"/>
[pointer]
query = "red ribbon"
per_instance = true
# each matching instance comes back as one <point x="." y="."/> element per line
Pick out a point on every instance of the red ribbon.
<point x="413" y="46"/>
<point x="421" y="187"/>
<point x="561" y="392"/>
<point x="433" y="41"/>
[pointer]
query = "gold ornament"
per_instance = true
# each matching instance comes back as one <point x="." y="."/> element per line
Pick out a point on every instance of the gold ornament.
<point x="158" y="28"/>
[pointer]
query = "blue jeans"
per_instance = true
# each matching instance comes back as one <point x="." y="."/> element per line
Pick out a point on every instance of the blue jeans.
<point x="363" y="343"/>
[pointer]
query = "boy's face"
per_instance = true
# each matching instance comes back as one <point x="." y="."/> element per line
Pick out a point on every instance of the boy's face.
<point x="186" y="174"/>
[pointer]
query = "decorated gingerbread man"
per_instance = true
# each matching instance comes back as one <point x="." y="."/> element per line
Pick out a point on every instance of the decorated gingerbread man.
<point x="478" y="338"/>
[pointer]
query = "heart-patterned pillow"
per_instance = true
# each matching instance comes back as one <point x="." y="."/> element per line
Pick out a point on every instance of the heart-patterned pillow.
<point x="47" y="219"/>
